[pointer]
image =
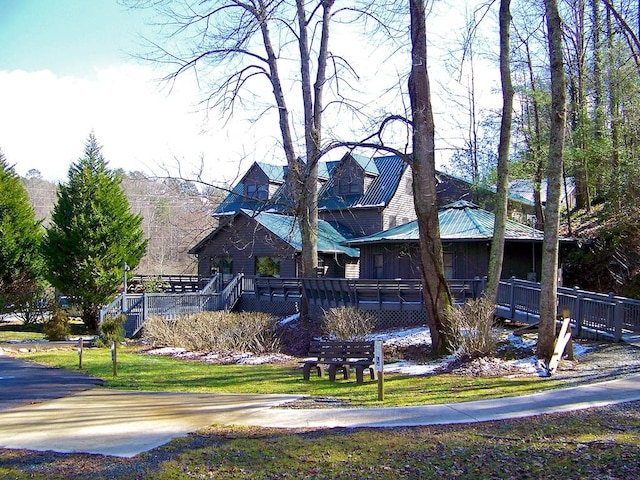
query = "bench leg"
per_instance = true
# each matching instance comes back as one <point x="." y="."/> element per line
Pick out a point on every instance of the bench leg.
<point x="333" y="370"/>
<point x="306" y="370"/>
<point x="360" y="373"/>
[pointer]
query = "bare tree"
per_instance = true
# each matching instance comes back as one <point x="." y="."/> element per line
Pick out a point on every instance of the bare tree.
<point x="549" y="279"/>
<point x="238" y="42"/>
<point x="497" y="244"/>
<point x="436" y="290"/>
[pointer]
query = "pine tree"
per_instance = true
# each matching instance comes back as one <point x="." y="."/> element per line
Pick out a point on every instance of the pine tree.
<point x="92" y="235"/>
<point x="20" y="237"/>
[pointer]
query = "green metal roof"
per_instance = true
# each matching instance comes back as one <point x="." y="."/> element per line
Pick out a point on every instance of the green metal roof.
<point x="388" y="172"/>
<point x="275" y="173"/>
<point x="459" y="220"/>
<point x="287" y="228"/>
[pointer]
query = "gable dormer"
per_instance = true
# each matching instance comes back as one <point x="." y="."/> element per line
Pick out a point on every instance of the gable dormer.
<point x="353" y="175"/>
<point x="261" y="181"/>
<point x="254" y="190"/>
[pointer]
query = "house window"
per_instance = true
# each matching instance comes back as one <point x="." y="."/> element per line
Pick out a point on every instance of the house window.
<point x="393" y="221"/>
<point x="409" y="186"/>
<point x="449" y="264"/>
<point x="350" y="185"/>
<point x="378" y="265"/>
<point x="268" y="266"/>
<point x="259" y="191"/>
<point x="223" y="266"/>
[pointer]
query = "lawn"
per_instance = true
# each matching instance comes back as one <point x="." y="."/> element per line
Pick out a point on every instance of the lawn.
<point x="138" y="371"/>
<point x="591" y="444"/>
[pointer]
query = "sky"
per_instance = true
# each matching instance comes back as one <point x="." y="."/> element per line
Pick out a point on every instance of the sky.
<point x="69" y="68"/>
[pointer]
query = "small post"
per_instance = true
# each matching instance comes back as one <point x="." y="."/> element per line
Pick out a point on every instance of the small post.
<point x="124" y="289"/>
<point x="80" y="346"/>
<point x="379" y="365"/>
<point x="114" y="358"/>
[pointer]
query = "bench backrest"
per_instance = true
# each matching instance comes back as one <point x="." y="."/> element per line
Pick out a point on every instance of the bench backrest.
<point x="335" y="350"/>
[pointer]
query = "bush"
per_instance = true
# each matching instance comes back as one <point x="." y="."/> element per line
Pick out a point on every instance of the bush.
<point x="221" y="332"/>
<point x="471" y="328"/>
<point x="347" y="323"/>
<point x="57" y="327"/>
<point x="111" y="330"/>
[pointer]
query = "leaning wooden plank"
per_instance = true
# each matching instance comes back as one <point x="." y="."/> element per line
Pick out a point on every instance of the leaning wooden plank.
<point x="561" y="343"/>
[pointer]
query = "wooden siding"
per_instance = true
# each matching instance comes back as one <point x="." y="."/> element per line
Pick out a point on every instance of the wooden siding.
<point x="400" y="206"/>
<point x="470" y="260"/>
<point x="243" y="240"/>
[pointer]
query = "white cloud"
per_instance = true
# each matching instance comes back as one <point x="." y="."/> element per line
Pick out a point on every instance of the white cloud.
<point x="46" y="120"/>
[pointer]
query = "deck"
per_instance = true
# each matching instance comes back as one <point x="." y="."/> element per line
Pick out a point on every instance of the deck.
<point x="591" y="313"/>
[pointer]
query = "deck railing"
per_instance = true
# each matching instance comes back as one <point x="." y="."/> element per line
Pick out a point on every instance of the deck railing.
<point x="138" y="307"/>
<point x="383" y="294"/>
<point x="605" y="313"/>
<point x="517" y="300"/>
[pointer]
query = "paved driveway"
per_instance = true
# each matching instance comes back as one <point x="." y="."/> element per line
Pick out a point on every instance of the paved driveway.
<point x="50" y="409"/>
<point x="28" y="383"/>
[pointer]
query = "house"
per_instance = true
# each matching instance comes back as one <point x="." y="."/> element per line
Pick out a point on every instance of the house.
<point x="269" y="244"/>
<point x="524" y="188"/>
<point x="451" y="188"/>
<point x="466" y="231"/>
<point x="358" y="197"/>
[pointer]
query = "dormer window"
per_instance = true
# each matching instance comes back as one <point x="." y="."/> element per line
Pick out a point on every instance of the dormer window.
<point x="257" y="191"/>
<point x="349" y="185"/>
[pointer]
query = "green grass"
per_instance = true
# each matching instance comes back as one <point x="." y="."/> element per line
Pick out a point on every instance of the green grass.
<point x="156" y="373"/>
<point x="12" y="332"/>
<point x="591" y="444"/>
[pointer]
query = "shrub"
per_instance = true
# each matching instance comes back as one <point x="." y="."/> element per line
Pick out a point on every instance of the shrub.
<point x="471" y="328"/>
<point x="222" y="332"/>
<point x="111" y="330"/>
<point x="57" y="327"/>
<point x="347" y="323"/>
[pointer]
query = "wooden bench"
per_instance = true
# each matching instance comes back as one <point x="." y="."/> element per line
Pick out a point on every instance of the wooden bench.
<point x="340" y="356"/>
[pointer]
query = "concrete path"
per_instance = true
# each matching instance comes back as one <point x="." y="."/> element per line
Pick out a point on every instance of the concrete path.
<point x="126" y="423"/>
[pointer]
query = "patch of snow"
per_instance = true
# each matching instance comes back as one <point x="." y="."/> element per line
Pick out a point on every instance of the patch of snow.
<point x="166" y="351"/>
<point x="402" y="337"/>
<point x="289" y="319"/>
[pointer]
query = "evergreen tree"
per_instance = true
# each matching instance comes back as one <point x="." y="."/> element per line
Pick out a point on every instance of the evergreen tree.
<point x="20" y="237"/>
<point x="92" y="235"/>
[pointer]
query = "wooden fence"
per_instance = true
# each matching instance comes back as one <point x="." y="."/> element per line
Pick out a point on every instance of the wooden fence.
<point x="517" y="300"/>
<point x="596" y="312"/>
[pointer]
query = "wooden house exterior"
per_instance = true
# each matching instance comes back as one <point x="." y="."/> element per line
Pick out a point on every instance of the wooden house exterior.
<point x="357" y="197"/>
<point x="269" y="244"/>
<point x="466" y="232"/>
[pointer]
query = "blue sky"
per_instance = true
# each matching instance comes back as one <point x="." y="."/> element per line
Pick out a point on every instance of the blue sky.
<point x="68" y="37"/>
<point x="68" y="67"/>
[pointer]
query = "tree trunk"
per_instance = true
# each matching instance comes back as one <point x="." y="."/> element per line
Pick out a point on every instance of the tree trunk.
<point x="549" y="293"/>
<point x="436" y="291"/>
<point x="497" y="244"/>
<point x="580" y="107"/>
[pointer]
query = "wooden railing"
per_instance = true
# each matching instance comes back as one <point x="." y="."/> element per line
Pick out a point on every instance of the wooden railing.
<point x="517" y="300"/>
<point x="138" y="307"/>
<point x="603" y="313"/>
<point x="168" y="283"/>
<point x="386" y="294"/>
